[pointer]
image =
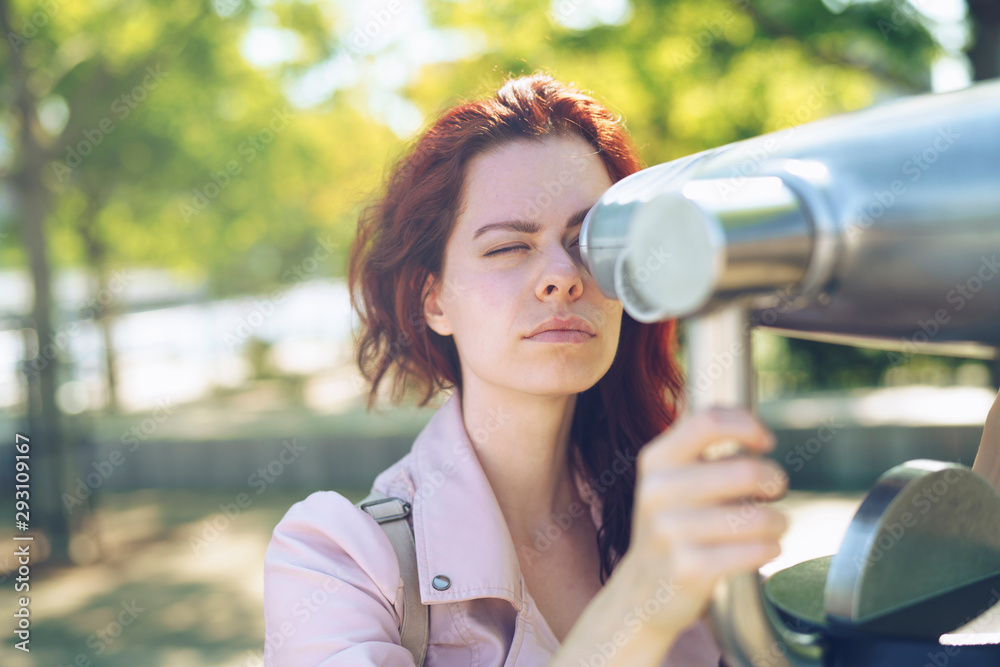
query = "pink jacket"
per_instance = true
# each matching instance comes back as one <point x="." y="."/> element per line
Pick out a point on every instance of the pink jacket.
<point x="332" y="589"/>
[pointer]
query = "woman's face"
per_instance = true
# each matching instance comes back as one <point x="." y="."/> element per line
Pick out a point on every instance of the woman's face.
<point x="513" y="262"/>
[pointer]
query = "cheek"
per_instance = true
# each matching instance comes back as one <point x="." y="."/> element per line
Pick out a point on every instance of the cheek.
<point x="486" y="309"/>
<point x="609" y="311"/>
<point x="614" y="326"/>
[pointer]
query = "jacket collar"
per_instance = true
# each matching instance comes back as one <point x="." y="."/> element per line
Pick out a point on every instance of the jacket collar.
<point x="459" y="529"/>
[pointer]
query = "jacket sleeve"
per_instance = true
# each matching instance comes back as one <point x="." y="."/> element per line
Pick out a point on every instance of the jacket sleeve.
<point x="330" y="581"/>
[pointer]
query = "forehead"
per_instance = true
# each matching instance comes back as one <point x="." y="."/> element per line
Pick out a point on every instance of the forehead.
<point x="533" y="180"/>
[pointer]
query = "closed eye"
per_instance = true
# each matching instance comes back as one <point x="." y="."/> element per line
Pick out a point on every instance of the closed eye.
<point x="504" y="251"/>
<point x="508" y="249"/>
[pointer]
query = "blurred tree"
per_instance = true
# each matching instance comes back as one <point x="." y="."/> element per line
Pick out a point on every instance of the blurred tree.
<point x="139" y="134"/>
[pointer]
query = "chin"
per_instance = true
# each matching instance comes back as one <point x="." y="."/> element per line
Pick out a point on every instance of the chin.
<point x="559" y="382"/>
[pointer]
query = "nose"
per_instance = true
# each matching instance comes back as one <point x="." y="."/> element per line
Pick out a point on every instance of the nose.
<point x="560" y="276"/>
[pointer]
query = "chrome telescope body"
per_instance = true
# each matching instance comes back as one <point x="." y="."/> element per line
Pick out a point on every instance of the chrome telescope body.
<point x="873" y="226"/>
<point x="879" y="227"/>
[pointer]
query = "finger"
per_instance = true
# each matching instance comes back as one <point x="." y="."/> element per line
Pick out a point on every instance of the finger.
<point x="711" y="483"/>
<point x="689" y="436"/>
<point x="717" y="561"/>
<point x="721" y="525"/>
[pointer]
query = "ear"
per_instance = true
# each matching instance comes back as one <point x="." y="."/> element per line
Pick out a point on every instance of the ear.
<point x="433" y="314"/>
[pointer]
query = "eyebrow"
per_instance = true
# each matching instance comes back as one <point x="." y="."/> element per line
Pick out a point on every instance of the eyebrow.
<point x="529" y="227"/>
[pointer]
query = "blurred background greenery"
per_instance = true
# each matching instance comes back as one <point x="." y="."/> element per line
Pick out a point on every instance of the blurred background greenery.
<point x="179" y="183"/>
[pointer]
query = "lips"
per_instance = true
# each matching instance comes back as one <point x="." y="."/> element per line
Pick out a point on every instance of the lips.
<point x="571" y="323"/>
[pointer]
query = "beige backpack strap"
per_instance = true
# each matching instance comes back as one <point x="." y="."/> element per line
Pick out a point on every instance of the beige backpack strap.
<point x="391" y="513"/>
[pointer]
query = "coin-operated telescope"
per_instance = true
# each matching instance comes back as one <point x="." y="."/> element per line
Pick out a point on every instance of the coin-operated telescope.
<point x="879" y="228"/>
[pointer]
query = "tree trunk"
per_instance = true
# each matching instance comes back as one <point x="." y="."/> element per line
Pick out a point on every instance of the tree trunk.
<point x="52" y="460"/>
<point x="984" y="53"/>
<point x="104" y="316"/>
<point x="101" y="309"/>
<point x="104" y="325"/>
<point x="52" y="463"/>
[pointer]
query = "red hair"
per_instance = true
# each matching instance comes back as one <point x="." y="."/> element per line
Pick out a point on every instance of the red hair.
<point x="401" y="241"/>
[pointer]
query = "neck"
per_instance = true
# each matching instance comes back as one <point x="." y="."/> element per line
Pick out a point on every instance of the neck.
<point x="522" y="442"/>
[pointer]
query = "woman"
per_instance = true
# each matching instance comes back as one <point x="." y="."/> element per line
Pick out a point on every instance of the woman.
<point x="561" y="516"/>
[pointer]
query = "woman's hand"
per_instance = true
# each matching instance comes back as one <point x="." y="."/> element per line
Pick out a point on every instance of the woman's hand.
<point x="695" y="521"/>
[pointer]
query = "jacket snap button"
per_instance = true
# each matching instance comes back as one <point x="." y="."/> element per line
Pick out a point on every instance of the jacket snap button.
<point x="441" y="582"/>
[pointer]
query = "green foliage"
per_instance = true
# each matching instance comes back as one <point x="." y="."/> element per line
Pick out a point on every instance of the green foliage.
<point x="789" y="366"/>
<point x="693" y="74"/>
<point x="177" y="152"/>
